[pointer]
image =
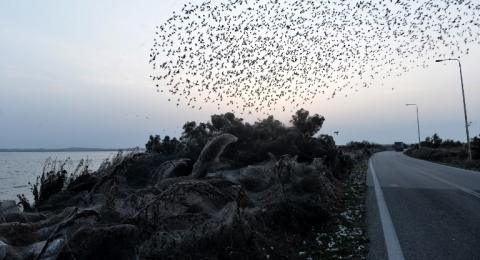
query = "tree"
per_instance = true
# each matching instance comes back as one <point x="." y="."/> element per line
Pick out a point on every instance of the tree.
<point x="448" y="143"/>
<point x="436" y="141"/>
<point x="171" y="146"/>
<point x="308" y="125"/>
<point x="153" y="145"/>
<point x="433" y="142"/>
<point x="226" y="123"/>
<point x="269" y="128"/>
<point x="195" y="137"/>
<point x="256" y="142"/>
<point x="475" y="146"/>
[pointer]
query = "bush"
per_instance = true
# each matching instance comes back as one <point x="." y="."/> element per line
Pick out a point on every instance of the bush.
<point x="433" y="142"/>
<point x="362" y="150"/>
<point x="55" y="177"/>
<point x="475" y="145"/>
<point x="166" y="146"/>
<point x="308" y="125"/>
<point x="258" y="141"/>
<point x="448" y="143"/>
<point x="436" y="142"/>
<point x="153" y="144"/>
<point x="353" y="145"/>
<point x="439" y="154"/>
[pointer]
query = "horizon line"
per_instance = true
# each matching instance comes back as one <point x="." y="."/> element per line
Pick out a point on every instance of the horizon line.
<point x="67" y="149"/>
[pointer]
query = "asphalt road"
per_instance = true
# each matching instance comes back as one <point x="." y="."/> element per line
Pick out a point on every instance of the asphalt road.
<point x="422" y="210"/>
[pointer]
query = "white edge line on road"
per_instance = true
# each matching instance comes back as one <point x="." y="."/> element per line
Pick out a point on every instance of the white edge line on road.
<point x="466" y="190"/>
<point x="394" y="251"/>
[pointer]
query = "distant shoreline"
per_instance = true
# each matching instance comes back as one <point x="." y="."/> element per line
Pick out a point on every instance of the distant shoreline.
<point x="68" y="150"/>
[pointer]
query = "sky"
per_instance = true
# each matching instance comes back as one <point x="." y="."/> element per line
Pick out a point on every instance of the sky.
<point x="76" y="74"/>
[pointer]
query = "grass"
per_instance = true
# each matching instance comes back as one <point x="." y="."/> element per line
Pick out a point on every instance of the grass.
<point x="56" y="175"/>
<point x="345" y="236"/>
<point x="455" y="156"/>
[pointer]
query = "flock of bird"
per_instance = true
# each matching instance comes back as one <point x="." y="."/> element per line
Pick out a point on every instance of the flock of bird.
<point x="262" y="55"/>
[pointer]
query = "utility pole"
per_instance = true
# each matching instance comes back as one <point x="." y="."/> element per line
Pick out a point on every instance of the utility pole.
<point x="464" y="106"/>
<point x="418" y="125"/>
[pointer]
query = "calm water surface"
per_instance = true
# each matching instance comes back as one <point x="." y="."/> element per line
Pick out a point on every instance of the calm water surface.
<point x="19" y="168"/>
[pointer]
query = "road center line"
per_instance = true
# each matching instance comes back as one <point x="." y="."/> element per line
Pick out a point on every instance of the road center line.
<point x="394" y="251"/>
<point x="466" y="190"/>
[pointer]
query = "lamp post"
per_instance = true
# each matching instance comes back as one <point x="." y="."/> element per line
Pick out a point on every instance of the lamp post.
<point x="464" y="106"/>
<point x="418" y="125"/>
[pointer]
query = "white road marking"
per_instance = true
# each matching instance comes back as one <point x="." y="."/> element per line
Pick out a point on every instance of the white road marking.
<point x="466" y="190"/>
<point x="394" y="251"/>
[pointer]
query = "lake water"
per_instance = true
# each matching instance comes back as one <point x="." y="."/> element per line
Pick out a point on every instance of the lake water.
<point x="17" y="169"/>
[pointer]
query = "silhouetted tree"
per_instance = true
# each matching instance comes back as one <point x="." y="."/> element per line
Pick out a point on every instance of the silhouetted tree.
<point x="194" y="137"/>
<point x="171" y="146"/>
<point x="449" y="143"/>
<point x="226" y="123"/>
<point x="268" y="128"/>
<point x="436" y="141"/>
<point x="308" y="125"/>
<point x="433" y="142"/>
<point x="256" y="141"/>
<point x="153" y="145"/>
<point x="475" y="145"/>
<point x="362" y="145"/>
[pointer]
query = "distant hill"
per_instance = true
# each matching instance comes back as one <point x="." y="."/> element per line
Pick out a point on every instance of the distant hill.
<point x="71" y="149"/>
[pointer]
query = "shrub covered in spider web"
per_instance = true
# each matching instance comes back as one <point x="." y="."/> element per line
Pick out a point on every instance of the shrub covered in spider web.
<point x="257" y="142"/>
<point x="55" y="177"/>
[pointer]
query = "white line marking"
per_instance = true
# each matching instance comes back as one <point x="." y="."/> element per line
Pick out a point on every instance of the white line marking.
<point x="394" y="250"/>
<point x="466" y="190"/>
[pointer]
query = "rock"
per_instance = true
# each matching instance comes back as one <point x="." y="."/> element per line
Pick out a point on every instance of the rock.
<point x="210" y="154"/>
<point x="8" y="206"/>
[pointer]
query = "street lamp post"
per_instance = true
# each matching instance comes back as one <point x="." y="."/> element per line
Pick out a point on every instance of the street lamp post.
<point x="464" y="106"/>
<point x="418" y="125"/>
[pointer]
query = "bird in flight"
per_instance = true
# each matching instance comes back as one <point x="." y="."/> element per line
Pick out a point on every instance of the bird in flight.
<point x="261" y="55"/>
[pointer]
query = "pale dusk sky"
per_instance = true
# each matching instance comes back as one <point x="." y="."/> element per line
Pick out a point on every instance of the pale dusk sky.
<point x="76" y="74"/>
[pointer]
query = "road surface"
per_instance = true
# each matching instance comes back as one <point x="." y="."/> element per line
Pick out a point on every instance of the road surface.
<point x="421" y="210"/>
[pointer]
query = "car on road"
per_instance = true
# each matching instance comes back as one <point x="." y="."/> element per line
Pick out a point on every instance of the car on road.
<point x="399" y="146"/>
